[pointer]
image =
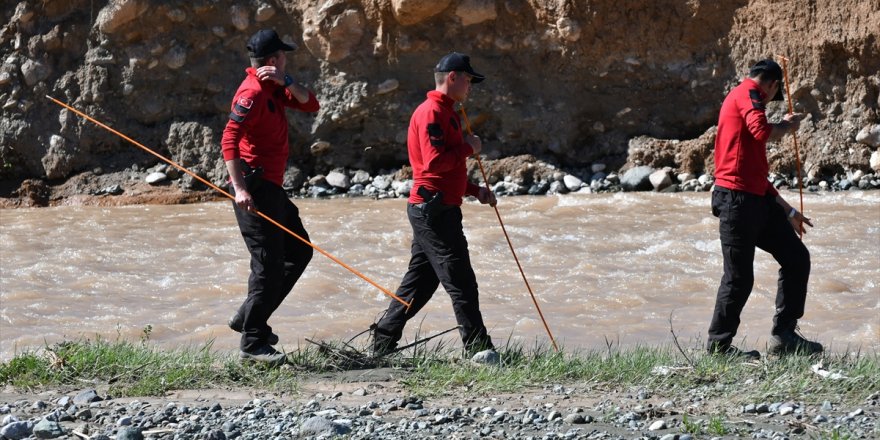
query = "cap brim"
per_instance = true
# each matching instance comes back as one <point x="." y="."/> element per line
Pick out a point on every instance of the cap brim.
<point x="778" y="95"/>
<point x="476" y="77"/>
<point x="287" y="47"/>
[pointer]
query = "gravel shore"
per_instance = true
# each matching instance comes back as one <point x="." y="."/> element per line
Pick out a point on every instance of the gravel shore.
<point x="371" y="404"/>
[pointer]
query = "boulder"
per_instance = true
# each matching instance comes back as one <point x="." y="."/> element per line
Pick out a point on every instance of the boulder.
<point x="409" y="12"/>
<point x="476" y="11"/>
<point x="660" y="179"/>
<point x="870" y="135"/>
<point x="637" y="179"/>
<point x="338" y="180"/>
<point x="118" y="13"/>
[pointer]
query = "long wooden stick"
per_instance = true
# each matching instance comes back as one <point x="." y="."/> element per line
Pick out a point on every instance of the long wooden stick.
<point x="797" y="153"/>
<point x="509" y="244"/>
<point x="215" y="187"/>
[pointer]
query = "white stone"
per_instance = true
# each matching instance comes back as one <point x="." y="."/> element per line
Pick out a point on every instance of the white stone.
<point x="486" y="357"/>
<point x="875" y="161"/>
<point x="572" y="182"/>
<point x="403" y="188"/>
<point x="387" y="86"/>
<point x="658" y="425"/>
<point x="382" y="182"/>
<point x="870" y="135"/>
<point x="34" y="71"/>
<point x="660" y="179"/>
<point x="856" y="176"/>
<point x="684" y="177"/>
<point x="154" y="178"/>
<point x="338" y="180"/>
<point x="476" y="11"/>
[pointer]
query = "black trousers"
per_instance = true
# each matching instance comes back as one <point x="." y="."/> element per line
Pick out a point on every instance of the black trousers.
<point x="277" y="258"/>
<point x="749" y="221"/>
<point x="439" y="256"/>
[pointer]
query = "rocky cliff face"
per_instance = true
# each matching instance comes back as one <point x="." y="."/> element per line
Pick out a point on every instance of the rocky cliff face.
<point x="572" y="82"/>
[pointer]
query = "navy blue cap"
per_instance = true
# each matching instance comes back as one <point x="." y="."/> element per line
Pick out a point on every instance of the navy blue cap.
<point x="266" y="42"/>
<point x="456" y="62"/>
<point x="768" y="69"/>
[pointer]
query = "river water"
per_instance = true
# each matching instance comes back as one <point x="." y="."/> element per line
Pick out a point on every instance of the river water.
<point x="604" y="268"/>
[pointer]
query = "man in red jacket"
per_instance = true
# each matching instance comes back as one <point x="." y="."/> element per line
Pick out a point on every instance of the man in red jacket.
<point x="753" y="214"/>
<point x="255" y="150"/>
<point x="437" y="152"/>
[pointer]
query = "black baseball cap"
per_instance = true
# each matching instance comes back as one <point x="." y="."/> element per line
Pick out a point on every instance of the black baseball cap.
<point x="266" y="42"/>
<point x="768" y="69"/>
<point x="457" y="62"/>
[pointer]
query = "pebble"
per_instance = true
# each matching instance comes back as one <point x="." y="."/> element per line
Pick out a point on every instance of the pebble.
<point x="658" y="425"/>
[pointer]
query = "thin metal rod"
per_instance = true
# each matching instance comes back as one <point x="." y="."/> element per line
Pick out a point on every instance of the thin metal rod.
<point x="215" y="187"/>
<point x="467" y="124"/>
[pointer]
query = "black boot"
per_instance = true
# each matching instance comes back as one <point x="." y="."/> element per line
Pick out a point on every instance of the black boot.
<point x="792" y="342"/>
<point x="718" y="349"/>
<point x="236" y="323"/>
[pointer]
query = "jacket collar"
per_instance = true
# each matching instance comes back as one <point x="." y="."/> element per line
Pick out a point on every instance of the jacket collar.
<point x="442" y="98"/>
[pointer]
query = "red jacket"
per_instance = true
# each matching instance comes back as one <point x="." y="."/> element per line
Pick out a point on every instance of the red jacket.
<point x="437" y="151"/>
<point x="741" y="142"/>
<point x="257" y="127"/>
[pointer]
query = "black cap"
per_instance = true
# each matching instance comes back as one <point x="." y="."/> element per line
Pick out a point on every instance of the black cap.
<point x="266" y="42"/>
<point x="456" y="62"/>
<point x="768" y="69"/>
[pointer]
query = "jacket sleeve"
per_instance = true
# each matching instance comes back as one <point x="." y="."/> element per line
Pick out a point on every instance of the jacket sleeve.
<point x="442" y="147"/>
<point x="309" y="106"/>
<point x="754" y="114"/>
<point x="472" y="189"/>
<point x="241" y="117"/>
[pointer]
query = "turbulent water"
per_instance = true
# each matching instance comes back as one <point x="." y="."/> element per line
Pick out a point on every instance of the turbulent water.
<point x="610" y="268"/>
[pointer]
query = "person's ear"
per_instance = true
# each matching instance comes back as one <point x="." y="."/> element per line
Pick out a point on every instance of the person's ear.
<point x="451" y="77"/>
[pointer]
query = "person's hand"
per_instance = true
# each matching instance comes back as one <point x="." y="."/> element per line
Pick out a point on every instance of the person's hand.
<point x="793" y="120"/>
<point x="270" y="73"/>
<point x="244" y="200"/>
<point x="485" y="196"/>
<point x="798" y="221"/>
<point x="474" y="142"/>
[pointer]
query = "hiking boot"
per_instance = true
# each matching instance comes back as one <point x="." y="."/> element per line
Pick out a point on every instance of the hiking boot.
<point x="486" y="357"/>
<point x="236" y="323"/>
<point x="733" y="352"/>
<point x="383" y="348"/>
<point x="265" y="354"/>
<point x="791" y="342"/>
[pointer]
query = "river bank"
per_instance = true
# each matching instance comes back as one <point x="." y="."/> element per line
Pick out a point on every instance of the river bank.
<point x="518" y="175"/>
<point x="648" y="392"/>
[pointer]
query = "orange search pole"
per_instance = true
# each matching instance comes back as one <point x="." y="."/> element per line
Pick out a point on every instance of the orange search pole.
<point x="797" y="153"/>
<point x="467" y="124"/>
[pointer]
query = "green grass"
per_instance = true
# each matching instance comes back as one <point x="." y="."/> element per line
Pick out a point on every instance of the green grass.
<point x="141" y="369"/>
<point x="137" y="369"/>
